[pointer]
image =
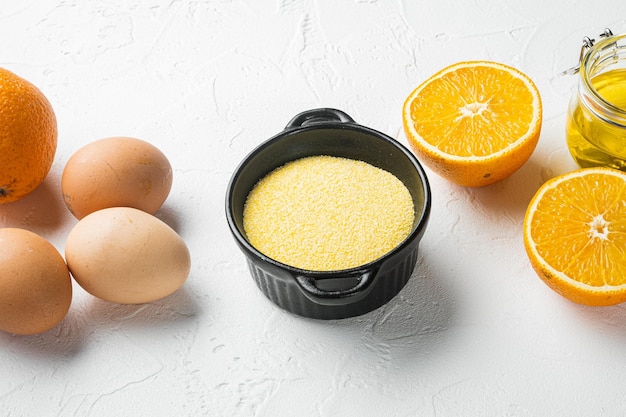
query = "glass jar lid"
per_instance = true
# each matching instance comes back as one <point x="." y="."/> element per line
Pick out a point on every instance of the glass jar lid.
<point x="586" y="46"/>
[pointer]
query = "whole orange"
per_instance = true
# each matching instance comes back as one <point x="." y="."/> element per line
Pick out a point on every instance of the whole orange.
<point x="28" y="137"/>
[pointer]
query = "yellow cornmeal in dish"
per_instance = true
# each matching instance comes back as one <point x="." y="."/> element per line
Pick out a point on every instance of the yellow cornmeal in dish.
<point x="325" y="213"/>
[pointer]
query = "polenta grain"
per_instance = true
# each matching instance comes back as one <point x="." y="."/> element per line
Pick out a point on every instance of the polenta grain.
<point x="326" y="213"/>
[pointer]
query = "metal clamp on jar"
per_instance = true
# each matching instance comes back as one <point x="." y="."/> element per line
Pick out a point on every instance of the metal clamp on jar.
<point x="596" y="117"/>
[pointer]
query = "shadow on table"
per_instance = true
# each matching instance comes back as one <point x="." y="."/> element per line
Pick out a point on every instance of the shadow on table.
<point x="97" y="318"/>
<point x="511" y="196"/>
<point x="169" y="216"/>
<point x="42" y="211"/>
<point x="103" y="315"/>
<point x="609" y="321"/>
<point x="414" y="323"/>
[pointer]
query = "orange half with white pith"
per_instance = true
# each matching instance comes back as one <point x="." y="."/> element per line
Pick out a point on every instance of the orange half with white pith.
<point x="575" y="235"/>
<point x="474" y="123"/>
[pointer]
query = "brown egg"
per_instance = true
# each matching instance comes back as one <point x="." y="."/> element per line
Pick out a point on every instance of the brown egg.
<point x="125" y="255"/>
<point x="116" y="172"/>
<point x="35" y="284"/>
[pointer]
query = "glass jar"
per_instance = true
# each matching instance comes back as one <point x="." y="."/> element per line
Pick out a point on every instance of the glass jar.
<point x="596" y="116"/>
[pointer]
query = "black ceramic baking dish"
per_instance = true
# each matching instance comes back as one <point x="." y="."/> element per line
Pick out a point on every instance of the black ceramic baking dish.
<point x="330" y="294"/>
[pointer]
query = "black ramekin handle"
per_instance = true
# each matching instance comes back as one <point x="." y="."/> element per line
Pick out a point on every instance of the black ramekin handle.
<point x="322" y="115"/>
<point x="337" y="297"/>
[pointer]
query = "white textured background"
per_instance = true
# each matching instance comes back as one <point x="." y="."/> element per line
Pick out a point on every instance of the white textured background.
<point x="474" y="332"/>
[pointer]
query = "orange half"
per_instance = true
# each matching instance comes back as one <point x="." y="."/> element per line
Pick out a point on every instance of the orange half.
<point x="575" y="235"/>
<point x="474" y="123"/>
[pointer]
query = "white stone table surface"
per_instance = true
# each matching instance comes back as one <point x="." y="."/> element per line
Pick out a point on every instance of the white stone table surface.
<point x="473" y="333"/>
